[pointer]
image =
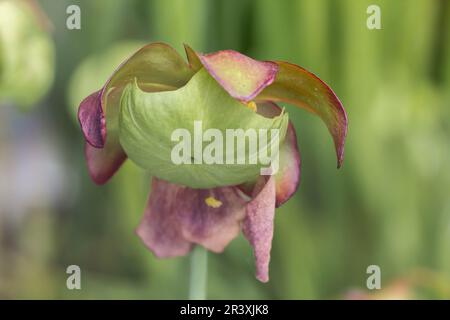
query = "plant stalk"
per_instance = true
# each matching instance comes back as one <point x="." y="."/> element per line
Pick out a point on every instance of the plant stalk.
<point x="198" y="274"/>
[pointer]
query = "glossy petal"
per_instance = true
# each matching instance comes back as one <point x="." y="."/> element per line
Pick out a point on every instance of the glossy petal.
<point x="242" y="77"/>
<point x="258" y="225"/>
<point x="300" y="87"/>
<point x="177" y="217"/>
<point x="287" y="178"/>
<point x="149" y="121"/>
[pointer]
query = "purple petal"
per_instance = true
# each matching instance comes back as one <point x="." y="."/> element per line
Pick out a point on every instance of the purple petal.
<point x="177" y="217"/>
<point x="103" y="163"/>
<point x="160" y="229"/>
<point x="90" y="116"/>
<point x="212" y="227"/>
<point x="258" y="225"/>
<point x="287" y="178"/>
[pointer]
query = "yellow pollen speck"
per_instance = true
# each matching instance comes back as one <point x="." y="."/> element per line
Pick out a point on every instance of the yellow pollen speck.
<point x="252" y="106"/>
<point x="213" y="202"/>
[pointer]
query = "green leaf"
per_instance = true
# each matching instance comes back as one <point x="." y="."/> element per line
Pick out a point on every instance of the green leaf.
<point x="147" y="121"/>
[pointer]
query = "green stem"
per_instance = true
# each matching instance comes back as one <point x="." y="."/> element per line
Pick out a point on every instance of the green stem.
<point x="199" y="274"/>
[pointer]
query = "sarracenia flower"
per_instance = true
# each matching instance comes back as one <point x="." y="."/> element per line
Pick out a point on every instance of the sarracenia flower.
<point x="195" y="200"/>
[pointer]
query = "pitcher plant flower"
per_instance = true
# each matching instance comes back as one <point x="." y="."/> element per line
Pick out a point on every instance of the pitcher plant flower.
<point x="155" y="92"/>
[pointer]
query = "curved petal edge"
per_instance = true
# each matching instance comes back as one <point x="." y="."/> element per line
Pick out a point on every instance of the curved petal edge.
<point x="297" y="86"/>
<point x="92" y="121"/>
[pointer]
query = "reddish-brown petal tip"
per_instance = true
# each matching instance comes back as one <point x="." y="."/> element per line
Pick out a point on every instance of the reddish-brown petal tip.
<point x="298" y="86"/>
<point x="103" y="163"/>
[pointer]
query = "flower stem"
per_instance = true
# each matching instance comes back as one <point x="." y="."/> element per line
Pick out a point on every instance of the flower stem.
<point x="199" y="273"/>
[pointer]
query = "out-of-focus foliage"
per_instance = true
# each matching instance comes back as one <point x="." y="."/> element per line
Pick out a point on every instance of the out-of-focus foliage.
<point x="26" y="53"/>
<point x="387" y="206"/>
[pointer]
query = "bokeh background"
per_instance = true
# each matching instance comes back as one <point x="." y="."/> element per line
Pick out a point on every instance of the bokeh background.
<point x="389" y="205"/>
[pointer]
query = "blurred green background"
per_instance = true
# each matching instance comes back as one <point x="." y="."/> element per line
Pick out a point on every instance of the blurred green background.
<point x="389" y="205"/>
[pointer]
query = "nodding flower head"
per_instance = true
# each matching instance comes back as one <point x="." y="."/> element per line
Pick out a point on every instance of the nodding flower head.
<point x="222" y="153"/>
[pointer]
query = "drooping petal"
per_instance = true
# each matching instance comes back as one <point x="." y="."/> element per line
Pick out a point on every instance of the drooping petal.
<point x="104" y="162"/>
<point x="258" y="225"/>
<point x="210" y="217"/>
<point x="287" y="178"/>
<point x="91" y="120"/>
<point x="177" y="217"/>
<point x="242" y="77"/>
<point x="160" y="229"/>
<point x="300" y="87"/>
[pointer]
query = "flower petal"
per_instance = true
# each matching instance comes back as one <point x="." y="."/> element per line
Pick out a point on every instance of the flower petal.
<point x="177" y="217"/>
<point x="90" y="116"/>
<point x="258" y="225"/>
<point x="242" y="77"/>
<point x="160" y="228"/>
<point x="156" y="67"/>
<point x="287" y="178"/>
<point x="213" y="225"/>
<point x="103" y="163"/>
<point x="300" y="87"/>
